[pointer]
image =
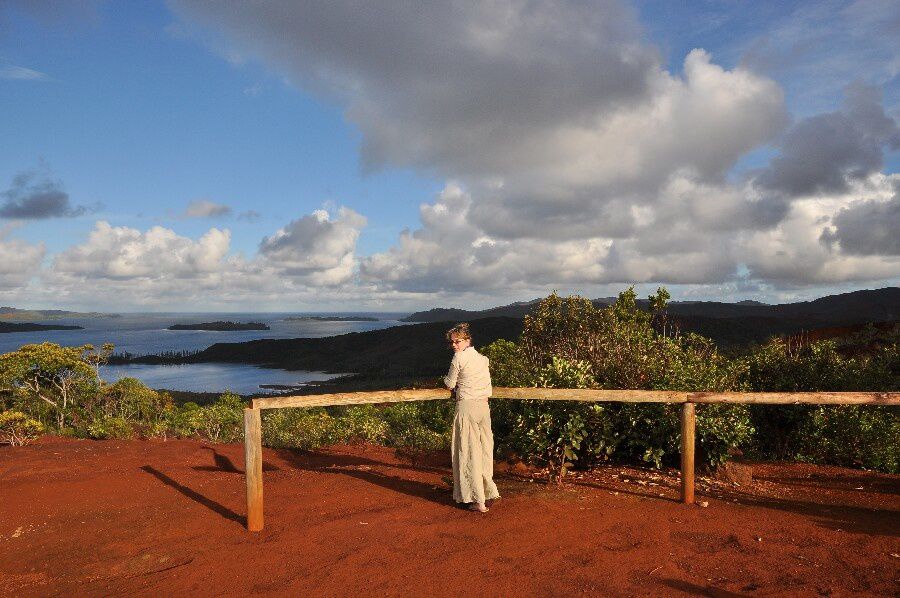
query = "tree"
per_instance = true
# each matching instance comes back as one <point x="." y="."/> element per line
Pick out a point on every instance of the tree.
<point x="48" y="380"/>
<point x="658" y="304"/>
<point x="97" y="358"/>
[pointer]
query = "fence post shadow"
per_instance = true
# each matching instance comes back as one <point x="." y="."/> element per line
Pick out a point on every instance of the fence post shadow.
<point x="194" y="495"/>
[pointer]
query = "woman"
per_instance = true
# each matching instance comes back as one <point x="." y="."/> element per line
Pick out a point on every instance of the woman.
<point x="473" y="442"/>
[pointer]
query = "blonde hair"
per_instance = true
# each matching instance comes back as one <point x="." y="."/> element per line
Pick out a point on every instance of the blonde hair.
<point x="460" y="331"/>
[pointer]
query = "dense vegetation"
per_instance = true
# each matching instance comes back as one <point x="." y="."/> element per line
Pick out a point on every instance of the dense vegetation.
<point x="569" y="343"/>
<point x="564" y="343"/>
<point x="51" y="388"/>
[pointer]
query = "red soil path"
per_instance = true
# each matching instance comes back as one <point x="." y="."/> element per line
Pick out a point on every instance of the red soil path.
<point x="148" y="518"/>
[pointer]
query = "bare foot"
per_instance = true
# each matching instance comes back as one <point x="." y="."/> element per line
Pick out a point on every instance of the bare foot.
<point x="478" y="507"/>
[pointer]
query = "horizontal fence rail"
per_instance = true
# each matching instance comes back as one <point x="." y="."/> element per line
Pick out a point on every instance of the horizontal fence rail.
<point x="589" y="395"/>
<point x="352" y="398"/>
<point x="797" y="398"/>
<point x="688" y="400"/>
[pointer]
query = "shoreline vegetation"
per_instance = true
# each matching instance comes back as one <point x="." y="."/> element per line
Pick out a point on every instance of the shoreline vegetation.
<point x="6" y="327"/>
<point x="331" y="319"/>
<point x="220" y="326"/>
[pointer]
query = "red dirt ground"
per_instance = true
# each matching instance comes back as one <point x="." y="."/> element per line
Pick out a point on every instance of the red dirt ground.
<point x="167" y="518"/>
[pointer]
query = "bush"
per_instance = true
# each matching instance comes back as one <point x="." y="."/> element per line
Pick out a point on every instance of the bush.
<point x="416" y="427"/>
<point x="852" y="436"/>
<point x="720" y="428"/>
<point x="223" y="421"/>
<point x="362" y="424"/>
<point x="111" y="427"/>
<point x="507" y="364"/>
<point x="17" y="429"/>
<point x="845" y="435"/>
<point x="132" y="400"/>
<point x="551" y="434"/>
<point x="186" y="420"/>
<point x="302" y="428"/>
<point x="568" y="343"/>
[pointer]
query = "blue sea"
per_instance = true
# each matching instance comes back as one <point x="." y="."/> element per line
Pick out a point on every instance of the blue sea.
<point x="146" y="333"/>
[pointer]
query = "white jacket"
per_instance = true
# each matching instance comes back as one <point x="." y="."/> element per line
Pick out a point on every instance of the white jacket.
<point x="470" y="376"/>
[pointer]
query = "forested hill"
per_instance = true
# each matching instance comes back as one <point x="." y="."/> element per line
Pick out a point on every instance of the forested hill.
<point x="13" y="313"/>
<point x="731" y="324"/>
<point x="444" y="314"/>
<point x="879" y="305"/>
<point x="401" y="351"/>
<point x="847" y="308"/>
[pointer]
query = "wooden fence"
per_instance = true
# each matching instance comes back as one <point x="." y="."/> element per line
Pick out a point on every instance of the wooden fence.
<point x="253" y="422"/>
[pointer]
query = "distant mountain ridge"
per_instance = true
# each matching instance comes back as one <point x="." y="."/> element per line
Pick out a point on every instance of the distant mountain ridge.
<point x="847" y="308"/>
<point x="12" y="313"/>
<point x="442" y="314"/>
<point x="856" y="307"/>
<point x="730" y="324"/>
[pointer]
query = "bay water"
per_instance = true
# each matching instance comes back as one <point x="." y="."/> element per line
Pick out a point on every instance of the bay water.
<point x="147" y="334"/>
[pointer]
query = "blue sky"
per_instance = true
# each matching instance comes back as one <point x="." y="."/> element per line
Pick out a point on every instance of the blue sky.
<point x="143" y="120"/>
<point x="203" y="155"/>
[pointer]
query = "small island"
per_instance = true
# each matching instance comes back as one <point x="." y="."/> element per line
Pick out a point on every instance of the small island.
<point x="220" y="326"/>
<point x="30" y="327"/>
<point x="330" y="319"/>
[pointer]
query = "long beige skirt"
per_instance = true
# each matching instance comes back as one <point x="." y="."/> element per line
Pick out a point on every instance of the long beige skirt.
<point x="473" y="453"/>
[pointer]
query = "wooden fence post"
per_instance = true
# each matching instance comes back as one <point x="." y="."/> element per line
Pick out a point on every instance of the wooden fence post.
<point x="688" y="422"/>
<point x="253" y="468"/>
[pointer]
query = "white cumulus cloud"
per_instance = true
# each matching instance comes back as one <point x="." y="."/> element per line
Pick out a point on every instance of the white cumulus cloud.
<point x="125" y="253"/>
<point x="19" y="262"/>
<point x="158" y="267"/>
<point x="316" y="246"/>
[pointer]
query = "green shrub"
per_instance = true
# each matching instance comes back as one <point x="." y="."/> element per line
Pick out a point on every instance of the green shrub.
<point x="302" y="428"/>
<point x="131" y="399"/>
<point x="362" y="423"/>
<point x="852" y="436"/>
<point x="187" y="420"/>
<point x="552" y="433"/>
<point x="111" y="427"/>
<point x="649" y="432"/>
<point x="223" y="421"/>
<point x="507" y="364"/>
<point x="162" y="426"/>
<point x="18" y="429"/>
<point x="845" y="435"/>
<point x="408" y="427"/>
<point x="720" y="428"/>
